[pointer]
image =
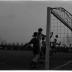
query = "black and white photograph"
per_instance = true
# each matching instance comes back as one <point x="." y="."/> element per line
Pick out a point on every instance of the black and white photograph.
<point x="35" y="35"/>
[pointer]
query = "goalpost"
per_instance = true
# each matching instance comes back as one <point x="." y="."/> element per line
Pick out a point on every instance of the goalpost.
<point x="47" y="38"/>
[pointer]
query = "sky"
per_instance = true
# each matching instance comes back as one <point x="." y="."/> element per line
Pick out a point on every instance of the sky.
<point x="18" y="20"/>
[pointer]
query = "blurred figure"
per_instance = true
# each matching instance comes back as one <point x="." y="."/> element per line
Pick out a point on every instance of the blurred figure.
<point x="43" y="48"/>
<point x="36" y="50"/>
<point x="35" y="43"/>
<point x="53" y="45"/>
<point x="39" y="36"/>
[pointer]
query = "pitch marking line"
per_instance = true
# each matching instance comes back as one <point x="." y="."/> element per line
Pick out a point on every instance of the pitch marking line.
<point x="62" y="65"/>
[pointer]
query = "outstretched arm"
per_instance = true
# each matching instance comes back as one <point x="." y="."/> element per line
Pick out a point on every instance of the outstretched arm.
<point x="27" y="44"/>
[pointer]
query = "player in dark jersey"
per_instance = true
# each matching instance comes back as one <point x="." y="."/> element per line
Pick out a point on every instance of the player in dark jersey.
<point x="36" y="50"/>
<point x="35" y="42"/>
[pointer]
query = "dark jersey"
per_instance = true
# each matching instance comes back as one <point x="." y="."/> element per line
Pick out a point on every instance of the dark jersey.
<point x="35" y="43"/>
